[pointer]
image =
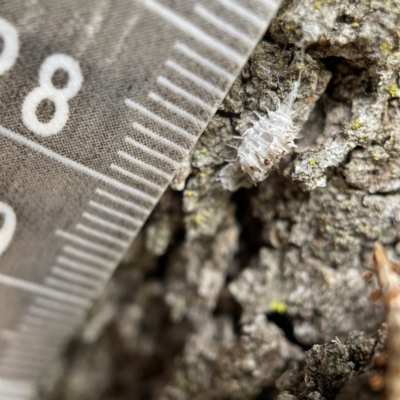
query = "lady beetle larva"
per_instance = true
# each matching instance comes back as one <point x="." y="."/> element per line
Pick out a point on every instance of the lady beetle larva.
<point x="268" y="139"/>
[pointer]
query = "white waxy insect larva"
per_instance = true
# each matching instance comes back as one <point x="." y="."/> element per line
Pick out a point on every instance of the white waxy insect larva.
<point x="263" y="144"/>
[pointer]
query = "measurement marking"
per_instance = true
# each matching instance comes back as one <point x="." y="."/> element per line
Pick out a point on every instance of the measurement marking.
<point x="87" y="243"/>
<point x="21" y="387"/>
<point x="83" y="291"/>
<point x="177" y="110"/>
<point x="51" y="332"/>
<point x="15" y="336"/>
<point x="74" y="277"/>
<point x="138" y="178"/>
<point x="54" y="315"/>
<point x="144" y="166"/>
<point x="159" y="120"/>
<point x="158" y="138"/>
<point x="39" y="340"/>
<point x="77" y="266"/>
<point x="223" y="25"/>
<point x="24" y="353"/>
<point x="205" y="62"/>
<point x="56" y="306"/>
<point x="195" y="32"/>
<point x="13" y="352"/>
<point x="42" y="329"/>
<point x="20" y="359"/>
<point x="27" y="359"/>
<point x="12" y="361"/>
<point x="102" y="222"/>
<point x="244" y="13"/>
<point x="161" y="80"/>
<point x="44" y="323"/>
<point x="70" y="163"/>
<point x="41" y="290"/>
<point x="152" y="152"/>
<point x="24" y="342"/>
<point x="27" y="372"/>
<point x="88" y="257"/>
<point x="194" y="78"/>
<point x="119" y="214"/>
<point x="122" y="201"/>
<point x="101" y="235"/>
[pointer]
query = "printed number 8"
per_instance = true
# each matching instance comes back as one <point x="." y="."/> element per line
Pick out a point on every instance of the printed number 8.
<point x="46" y="89"/>
<point x="59" y="97"/>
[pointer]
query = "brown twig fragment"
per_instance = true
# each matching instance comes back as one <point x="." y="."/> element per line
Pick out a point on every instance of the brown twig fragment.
<point x="389" y="283"/>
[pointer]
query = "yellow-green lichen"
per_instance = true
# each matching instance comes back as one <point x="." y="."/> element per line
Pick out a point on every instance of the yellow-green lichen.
<point x="356" y="124"/>
<point x="392" y="89"/>
<point x="278" y="306"/>
<point x="385" y="48"/>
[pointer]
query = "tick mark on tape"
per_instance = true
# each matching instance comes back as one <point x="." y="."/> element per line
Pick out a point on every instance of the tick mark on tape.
<point x="202" y="83"/>
<point x="13" y="361"/>
<point x="73" y="288"/>
<point x="195" y="32"/>
<point x="162" y="81"/>
<point x="175" y="109"/>
<point x="129" y="174"/>
<point x="24" y="353"/>
<point x="144" y="166"/>
<point x="114" y="213"/>
<point x="53" y="314"/>
<point x="243" y="12"/>
<point x="222" y="25"/>
<point x="203" y="61"/>
<point x="57" y="306"/>
<point x="31" y="287"/>
<point x="84" y="255"/>
<point x="103" y="236"/>
<point x="87" y="243"/>
<point x="81" y="267"/>
<point x="27" y="372"/>
<point x="159" y="120"/>
<point x="123" y="202"/>
<point x="158" y="138"/>
<point x="75" y="278"/>
<point x="107" y="224"/>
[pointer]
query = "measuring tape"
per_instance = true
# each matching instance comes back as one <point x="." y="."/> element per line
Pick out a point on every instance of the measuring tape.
<point x="101" y="100"/>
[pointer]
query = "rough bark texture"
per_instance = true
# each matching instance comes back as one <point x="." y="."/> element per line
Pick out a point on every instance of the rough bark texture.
<point x="260" y="294"/>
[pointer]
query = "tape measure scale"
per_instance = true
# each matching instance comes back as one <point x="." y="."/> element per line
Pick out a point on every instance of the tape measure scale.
<point x="100" y="103"/>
